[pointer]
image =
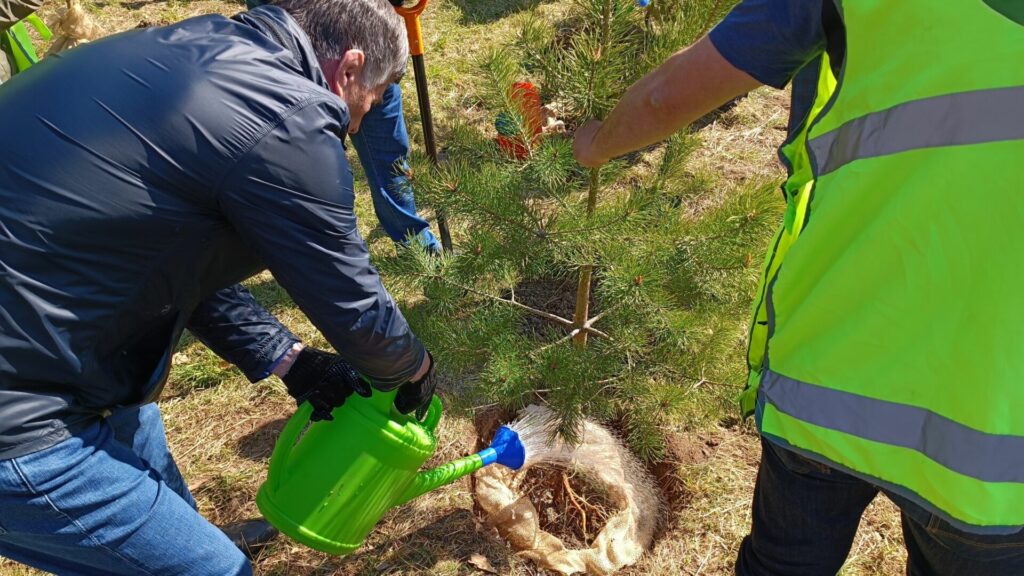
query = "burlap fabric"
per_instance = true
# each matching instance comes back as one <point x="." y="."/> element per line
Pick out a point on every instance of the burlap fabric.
<point x="604" y="459"/>
<point x="73" y="28"/>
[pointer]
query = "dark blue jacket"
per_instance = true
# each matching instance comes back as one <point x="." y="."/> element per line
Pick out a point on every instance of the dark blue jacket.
<point x="141" y="177"/>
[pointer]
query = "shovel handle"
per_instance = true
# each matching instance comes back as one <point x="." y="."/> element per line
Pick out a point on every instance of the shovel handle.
<point x="414" y="10"/>
<point x="287" y="440"/>
<point x="412" y="26"/>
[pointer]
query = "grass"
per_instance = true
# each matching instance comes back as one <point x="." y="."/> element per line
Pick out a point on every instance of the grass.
<point x="221" y="428"/>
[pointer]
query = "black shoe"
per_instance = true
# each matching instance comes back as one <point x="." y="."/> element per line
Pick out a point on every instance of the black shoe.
<point x="250" y="535"/>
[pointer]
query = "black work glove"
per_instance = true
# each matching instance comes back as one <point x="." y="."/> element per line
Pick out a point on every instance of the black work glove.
<point x="323" y="379"/>
<point x="416" y="395"/>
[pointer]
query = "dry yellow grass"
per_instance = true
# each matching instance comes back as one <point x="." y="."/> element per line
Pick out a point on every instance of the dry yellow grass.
<point x="221" y="428"/>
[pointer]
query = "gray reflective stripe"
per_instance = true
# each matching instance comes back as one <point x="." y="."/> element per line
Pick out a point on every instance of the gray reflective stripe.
<point x="950" y="120"/>
<point x="986" y="457"/>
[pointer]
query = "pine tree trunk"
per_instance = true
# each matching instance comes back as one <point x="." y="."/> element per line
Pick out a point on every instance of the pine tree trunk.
<point x="583" y="288"/>
<point x="586" y="271"/>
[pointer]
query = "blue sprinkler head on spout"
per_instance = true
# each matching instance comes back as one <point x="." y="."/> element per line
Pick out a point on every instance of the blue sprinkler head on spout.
<point x="506" y="449"/>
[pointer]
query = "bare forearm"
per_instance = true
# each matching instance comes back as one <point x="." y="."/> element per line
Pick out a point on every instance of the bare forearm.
<point x="691" y="83"/>
<point x="286" y="362"/>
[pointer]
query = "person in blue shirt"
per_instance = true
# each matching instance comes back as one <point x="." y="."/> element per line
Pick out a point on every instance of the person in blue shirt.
<point x="805" y="514"/>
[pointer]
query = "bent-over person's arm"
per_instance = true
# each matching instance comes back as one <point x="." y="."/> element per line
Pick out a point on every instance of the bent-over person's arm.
<point x="290" y="197"/>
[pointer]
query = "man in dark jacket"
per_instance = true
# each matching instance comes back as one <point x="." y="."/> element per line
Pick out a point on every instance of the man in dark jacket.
<point x="153" y="171"/>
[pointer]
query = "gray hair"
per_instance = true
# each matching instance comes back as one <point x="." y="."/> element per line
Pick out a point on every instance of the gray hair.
<point x="337" y="26"/>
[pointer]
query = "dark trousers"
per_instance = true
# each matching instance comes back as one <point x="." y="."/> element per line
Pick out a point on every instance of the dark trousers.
<point x="805" y="516"/>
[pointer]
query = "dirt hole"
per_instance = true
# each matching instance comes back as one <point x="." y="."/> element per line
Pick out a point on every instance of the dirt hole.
<point x="570" y="505"/>
<point x="545" y="486"/>
<point x="680" y="451"/>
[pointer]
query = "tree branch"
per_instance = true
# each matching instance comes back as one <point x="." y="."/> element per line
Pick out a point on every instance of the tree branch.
<point x="614" y="222"/>
<point x="546" y="315"/>
<point x="587" y="326"/>
<point x="493" y="214"/>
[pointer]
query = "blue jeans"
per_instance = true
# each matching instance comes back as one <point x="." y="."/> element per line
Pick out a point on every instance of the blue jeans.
<point x="110" y="500"/>
<point x="805" y="517"/>
<point x="383" y="146"/>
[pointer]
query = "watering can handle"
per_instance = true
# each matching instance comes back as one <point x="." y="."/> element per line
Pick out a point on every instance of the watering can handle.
<point x="289" y="436"/>
<point x="430" y="420"/>
<point x="433" y="417"/>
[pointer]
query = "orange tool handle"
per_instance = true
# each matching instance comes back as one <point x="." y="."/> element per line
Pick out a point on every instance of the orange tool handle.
<point x="412" y="26"/>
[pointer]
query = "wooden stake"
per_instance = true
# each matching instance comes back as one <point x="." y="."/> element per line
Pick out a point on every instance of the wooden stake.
<point x="582" y="305"/>
<point x="586" y="271"/>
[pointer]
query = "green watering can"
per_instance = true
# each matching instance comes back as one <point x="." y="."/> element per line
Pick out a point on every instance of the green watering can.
<point x="330" y="482"/>
<point x="18" y="44"/>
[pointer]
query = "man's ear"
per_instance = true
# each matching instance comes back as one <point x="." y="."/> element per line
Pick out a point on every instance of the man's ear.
<point x="350" y="68"/>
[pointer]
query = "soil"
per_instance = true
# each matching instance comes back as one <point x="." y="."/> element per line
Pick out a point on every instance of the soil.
<point x="486" y="422"/>
<point x="152" y="23"/>
<point x="258" y="443"/>
<point x="666" y="475"/>
<point x="554" y="295"/>
<point x="570" y="506"/>
<point x="681" y="453"/>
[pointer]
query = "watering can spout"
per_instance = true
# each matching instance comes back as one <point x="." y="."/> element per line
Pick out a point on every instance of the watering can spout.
<point x="441" y="476"/>
<point x="506" y="449"/>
